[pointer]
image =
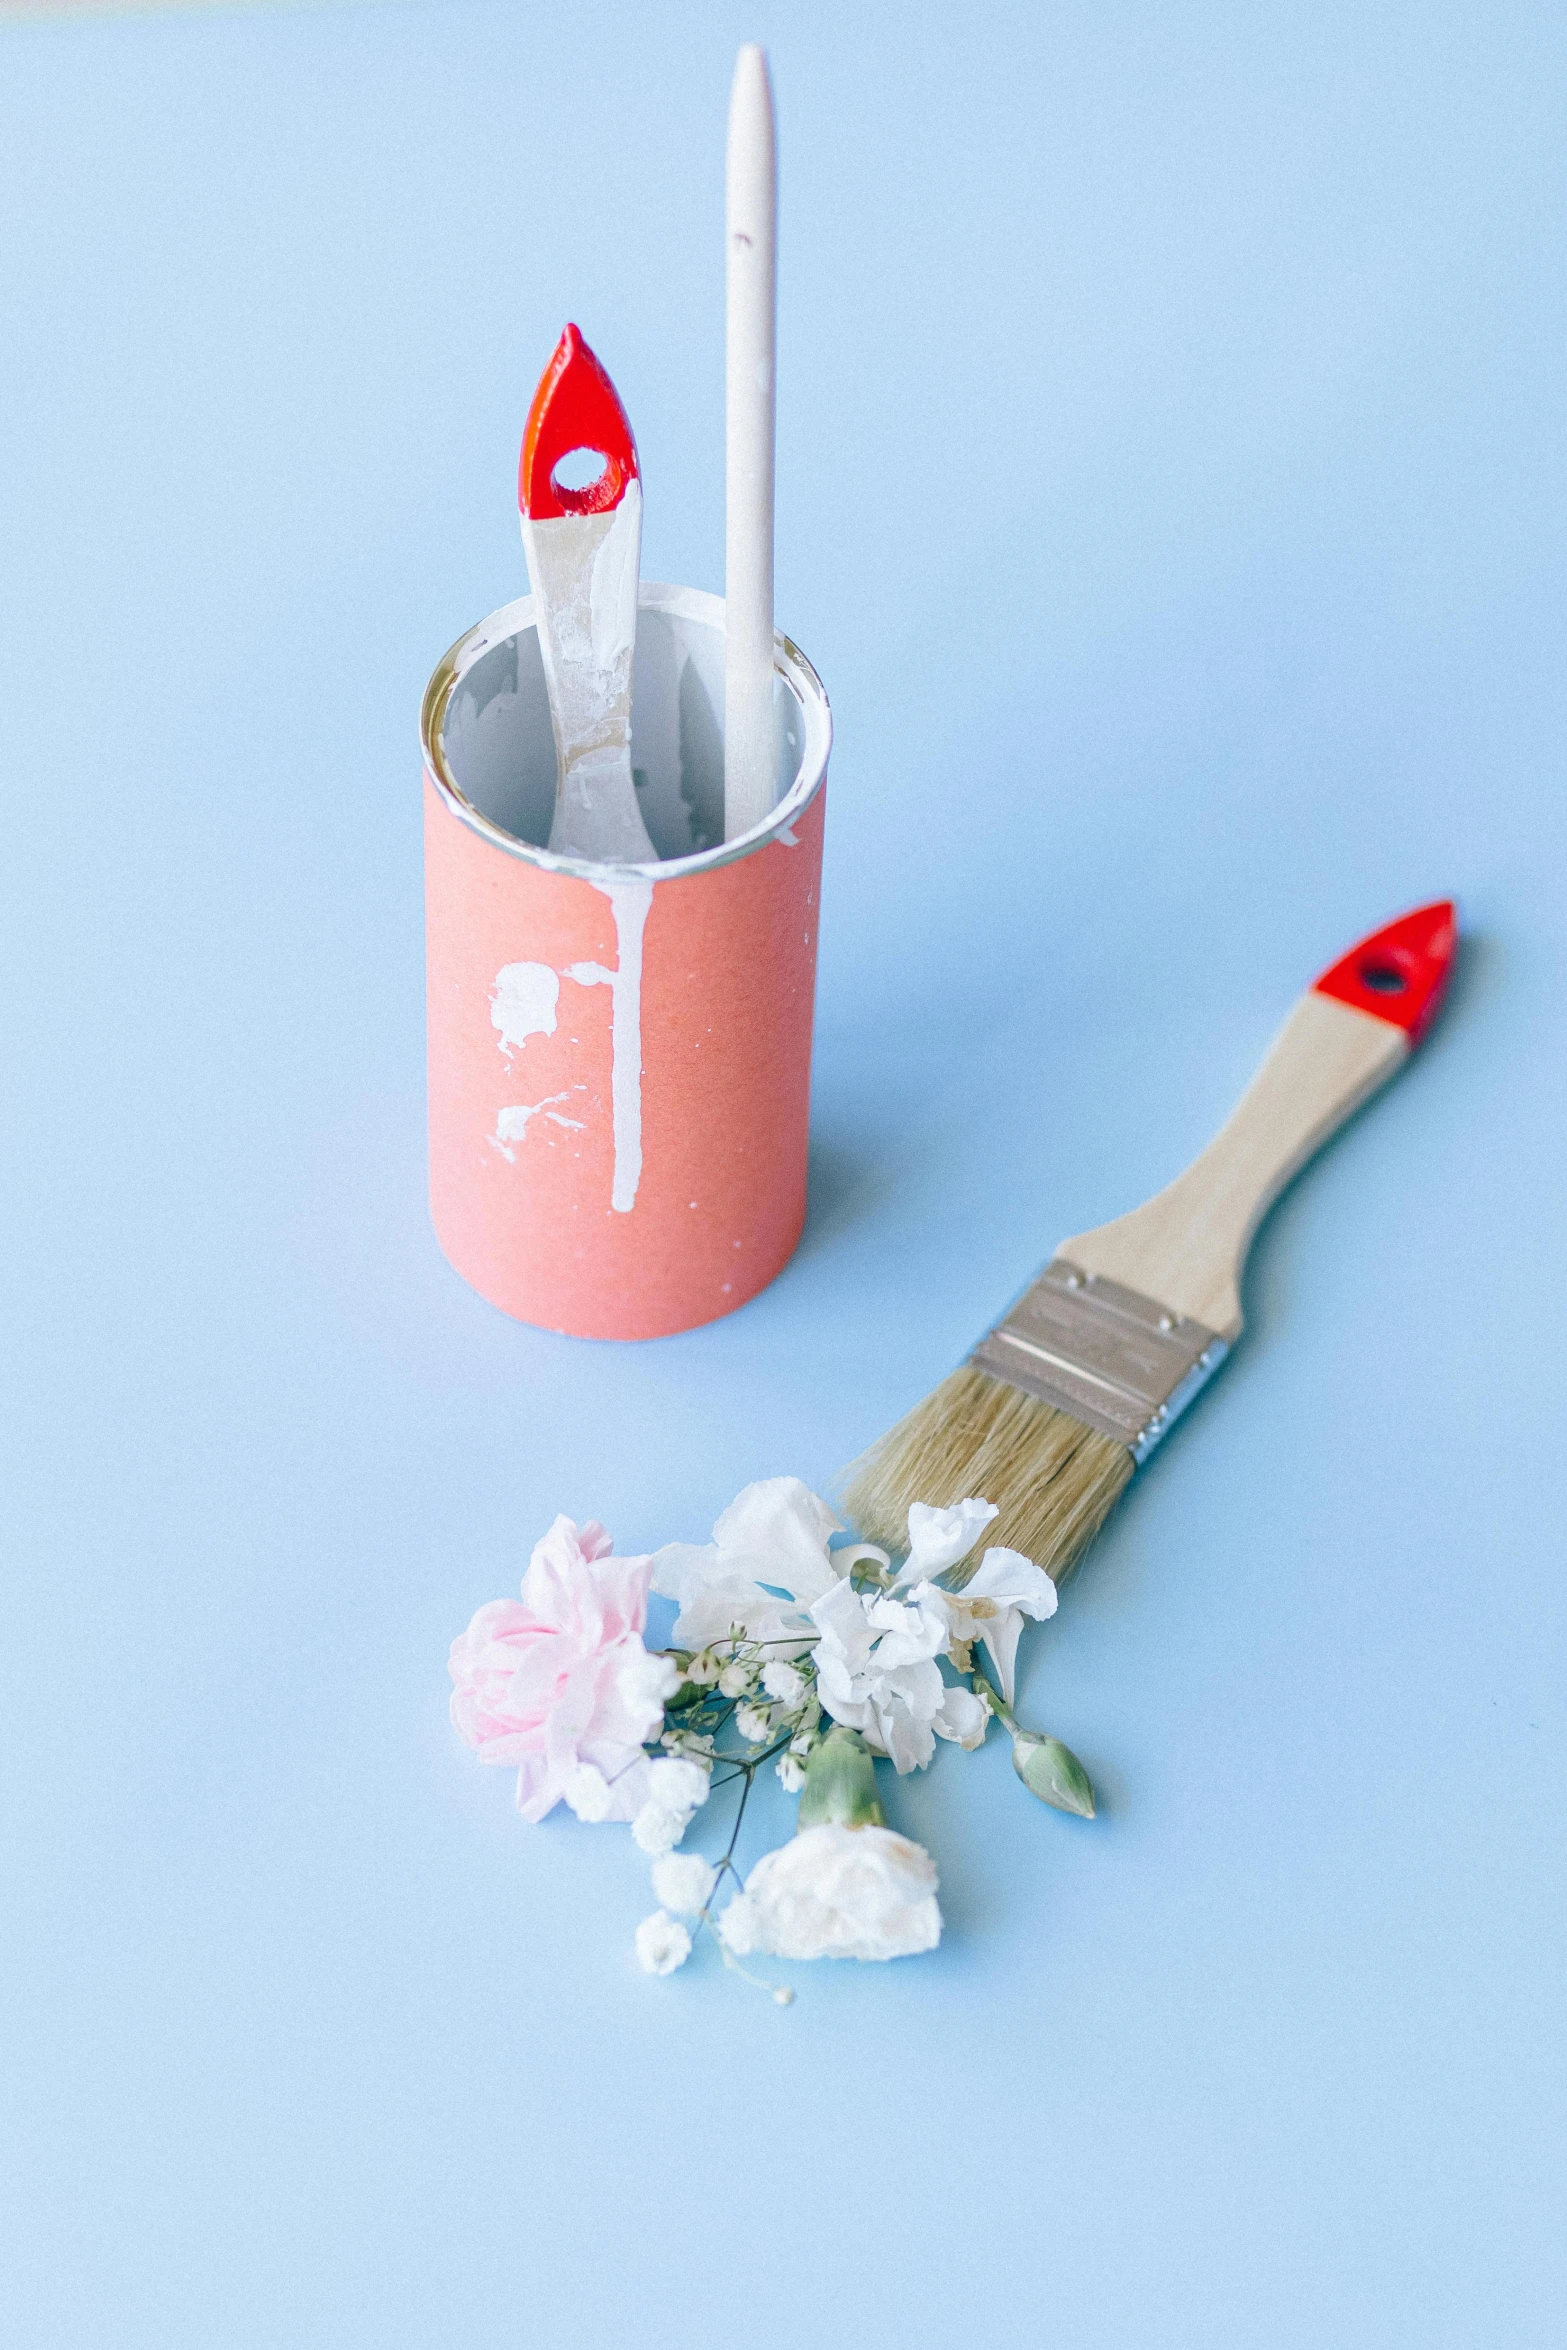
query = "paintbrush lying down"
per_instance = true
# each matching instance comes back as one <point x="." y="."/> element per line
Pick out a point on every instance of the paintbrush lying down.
<point x="1072" y="1390"/>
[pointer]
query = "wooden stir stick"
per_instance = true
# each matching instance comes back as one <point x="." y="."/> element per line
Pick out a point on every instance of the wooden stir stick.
<point x="751" y="282"/>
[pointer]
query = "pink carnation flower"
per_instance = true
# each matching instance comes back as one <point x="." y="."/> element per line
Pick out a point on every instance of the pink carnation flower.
<point x="560" y="1677"/>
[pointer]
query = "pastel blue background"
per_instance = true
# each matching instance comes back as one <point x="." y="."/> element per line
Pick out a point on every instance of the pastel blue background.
<point x="1171" y="470"/>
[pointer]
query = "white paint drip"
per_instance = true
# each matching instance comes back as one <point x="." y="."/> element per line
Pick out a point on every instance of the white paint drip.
<point x="629" y="902"/>
<point x="518" y="1001"/>
<point x="524" y="1002"/>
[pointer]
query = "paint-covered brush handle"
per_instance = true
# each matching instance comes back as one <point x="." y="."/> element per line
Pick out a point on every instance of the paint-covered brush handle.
<point x="1350" y="1033"/>
<point x="584" y="550"/>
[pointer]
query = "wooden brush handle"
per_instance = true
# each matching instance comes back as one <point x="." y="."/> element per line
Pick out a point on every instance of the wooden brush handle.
<point x="1186" y="1247"/>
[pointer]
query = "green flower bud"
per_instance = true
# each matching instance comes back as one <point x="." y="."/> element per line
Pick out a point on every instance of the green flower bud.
<point x="840" y="1783"/>
<point x="1053" y="1773"/>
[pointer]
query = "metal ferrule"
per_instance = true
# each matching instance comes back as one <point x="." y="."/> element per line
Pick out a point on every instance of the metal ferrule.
<point x="1120" y="1362"/>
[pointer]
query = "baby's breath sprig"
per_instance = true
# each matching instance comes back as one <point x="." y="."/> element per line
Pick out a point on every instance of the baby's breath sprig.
<point x="729" y="1686"/>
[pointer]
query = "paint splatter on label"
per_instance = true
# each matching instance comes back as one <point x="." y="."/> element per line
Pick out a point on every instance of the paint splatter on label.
<point x="511" y="1123"/>
<point x="523" y="1003"/>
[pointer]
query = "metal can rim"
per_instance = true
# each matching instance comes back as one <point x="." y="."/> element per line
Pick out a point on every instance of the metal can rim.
<point x="683" y="603"/>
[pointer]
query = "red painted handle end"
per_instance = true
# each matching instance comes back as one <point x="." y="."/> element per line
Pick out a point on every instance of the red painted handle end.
<point x="575" y="407"/>
<point x="1398" y="974"/>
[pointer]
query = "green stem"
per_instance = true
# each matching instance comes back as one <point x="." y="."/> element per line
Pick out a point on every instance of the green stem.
<point x="985" y="1688"/>
<point x="745" y="1797"/>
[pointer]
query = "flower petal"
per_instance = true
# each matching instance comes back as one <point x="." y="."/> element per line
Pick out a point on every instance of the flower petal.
<point x="840" y="1615"/>
<point x="964" y="1718"/>
<point x="938" y="1538"/>
<point x="1008" y="1576"/>
<point x="682" y="1569"/>
<point x="715" y="1593"/>
<point x="776" y="1531"/>
<point x="1001" y="1635"/>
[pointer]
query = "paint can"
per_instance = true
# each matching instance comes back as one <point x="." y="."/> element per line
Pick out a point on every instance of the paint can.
<point x="619" y="1056"/>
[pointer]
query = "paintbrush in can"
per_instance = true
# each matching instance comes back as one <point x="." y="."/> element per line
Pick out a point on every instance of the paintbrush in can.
<point x="1089" y="1370"/>
<point x="583" y="540"/>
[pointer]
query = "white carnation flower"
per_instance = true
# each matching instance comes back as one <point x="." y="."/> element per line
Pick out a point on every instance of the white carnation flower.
<point x="588" y="1792"/>
<point x="662" y="1944"/>
<point x="836" y="1892"/>
<point x="785" y="1682"/>
<point x="684" y="1881"/>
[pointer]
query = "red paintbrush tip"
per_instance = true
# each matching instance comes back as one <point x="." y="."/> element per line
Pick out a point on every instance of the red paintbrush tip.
<point x="1398" y="974"/>
<point x="575" y="407"/>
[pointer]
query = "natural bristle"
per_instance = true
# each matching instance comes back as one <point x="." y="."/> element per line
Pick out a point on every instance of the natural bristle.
<point x="1053" y="1480"/>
